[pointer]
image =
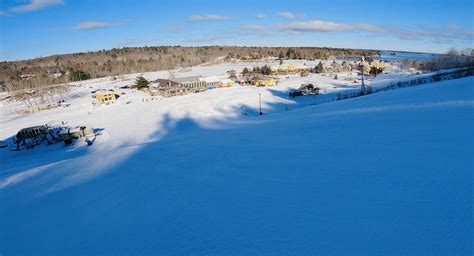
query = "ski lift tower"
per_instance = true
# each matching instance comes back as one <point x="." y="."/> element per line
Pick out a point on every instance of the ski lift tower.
<point x="362" y="85"/>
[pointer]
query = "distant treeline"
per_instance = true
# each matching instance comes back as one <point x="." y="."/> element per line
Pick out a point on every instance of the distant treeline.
<point x="16" y="75"/>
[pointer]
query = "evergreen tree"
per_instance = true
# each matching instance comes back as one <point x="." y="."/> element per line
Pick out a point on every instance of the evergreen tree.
<point x="141" y="82"/>
<point x="78" y="75"/>
<point x="281" y="56"/>
<point x="319" y="68"/>
<point x="290" y="53"/>
<point x="375" y="71"/>
<point x="245" y="71"/>
<point x="266" y="70"/>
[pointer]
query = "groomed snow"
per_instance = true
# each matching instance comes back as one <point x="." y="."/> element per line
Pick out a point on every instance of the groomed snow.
<point x="388" y="173"/>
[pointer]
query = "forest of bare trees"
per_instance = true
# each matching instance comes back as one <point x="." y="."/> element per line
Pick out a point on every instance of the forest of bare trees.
<point x="41" y="97"/>
<point x="452" y="59"/>
<point x="27" y="74"/>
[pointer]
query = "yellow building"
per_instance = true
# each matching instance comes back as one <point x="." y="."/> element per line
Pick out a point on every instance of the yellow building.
<point x="379" y="64"/>
<point x="292" y="69"/>
<point x="265" y="82"/>
<point x="226" y="83"/>
<point x="105" y="97"/>
<point x="279" y="71"/>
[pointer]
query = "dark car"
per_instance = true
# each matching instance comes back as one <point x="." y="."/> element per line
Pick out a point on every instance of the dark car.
<point x="295" y="93"/>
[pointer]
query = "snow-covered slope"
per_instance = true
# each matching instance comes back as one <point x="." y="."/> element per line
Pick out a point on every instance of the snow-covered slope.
<point x="385" y="173"/>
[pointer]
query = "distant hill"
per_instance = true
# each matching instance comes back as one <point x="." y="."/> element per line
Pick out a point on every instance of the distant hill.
<point x="59" y="68"/>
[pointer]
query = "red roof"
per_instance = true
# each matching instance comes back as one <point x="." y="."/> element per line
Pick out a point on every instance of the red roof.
<point x="167" y="83"/>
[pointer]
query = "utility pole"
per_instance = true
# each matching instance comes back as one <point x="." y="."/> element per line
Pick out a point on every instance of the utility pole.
<point x="260" y="99"/>
<point x="362" y="85"/>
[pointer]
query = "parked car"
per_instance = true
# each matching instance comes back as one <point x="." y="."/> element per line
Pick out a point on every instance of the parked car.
<point x="295" y="93"/>
<point x="305" y="89"/>
<point x="309" y="89"/>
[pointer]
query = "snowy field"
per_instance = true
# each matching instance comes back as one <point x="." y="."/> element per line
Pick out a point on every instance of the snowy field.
<point x="218" y="103"/>
<point x="388" y="173"/>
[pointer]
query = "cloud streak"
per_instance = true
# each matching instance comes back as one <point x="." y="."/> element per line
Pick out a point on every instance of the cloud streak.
<point x="287" y="15"/>
<point x="317" y="26"/>
<point x="206" y="39"/>
<point x="139" y="41"/>
<point x="91" y="25"/>
<point x="208" y="17"/>
<point x="441" y="36"/>
<point x="252" y="27"/>
<point x="36" y="5"/>
<point x="329" y="26"/>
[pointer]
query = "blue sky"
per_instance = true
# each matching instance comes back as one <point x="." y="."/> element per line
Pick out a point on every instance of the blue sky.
<point x="34" y="28"/>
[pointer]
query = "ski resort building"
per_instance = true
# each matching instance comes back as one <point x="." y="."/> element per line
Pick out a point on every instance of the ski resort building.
<point x="287" y="69"/>
<point x="166" y="88"/>
<point x="266" y="81"/>
<point x="212" y="81"/>
<point x="226" y="83"/>
<point x="105" y="97"/>
<point x="192" y="84"/>
<point x="180" y="86"/>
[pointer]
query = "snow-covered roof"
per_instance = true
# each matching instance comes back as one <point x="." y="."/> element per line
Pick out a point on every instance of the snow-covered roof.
<point x="212" y="79"/>
<point x="227" y="80"/>
<point x="188" y="79"/>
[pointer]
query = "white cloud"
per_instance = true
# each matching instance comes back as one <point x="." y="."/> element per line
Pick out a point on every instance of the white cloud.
<point x="208" y="17"/>
<point x="206" y="39"/>
<point x="260" y="16"/>
<point x="90" y="25"/>
<point x="453" y="27"/>
<point x="329" y="26"/>
<point x="287" y="15"/>
<point x="252" y="27"/>
<point x="318" y="26"/>
<point x="139" y="41"/>
<point x="36" y="5"/>
<point x="174" y="29"/>
<point x="369" y="28"/>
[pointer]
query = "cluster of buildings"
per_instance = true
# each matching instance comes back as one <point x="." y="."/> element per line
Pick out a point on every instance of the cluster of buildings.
<point x="182" y="86"/>
<point x="336" y="67"/>
<point x="187" y="85"/>
<point x="196" y="84"/>
<point x="348" y="66"/>
<point x="288" y="70"/>
<point x="167" y="88"/>
<point x="330" y="68"/>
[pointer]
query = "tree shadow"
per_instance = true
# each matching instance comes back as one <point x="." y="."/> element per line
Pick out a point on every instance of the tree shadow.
<point x="176" y="191"/>
<point x="184" y="190"/>
<point x="60" y="163"/>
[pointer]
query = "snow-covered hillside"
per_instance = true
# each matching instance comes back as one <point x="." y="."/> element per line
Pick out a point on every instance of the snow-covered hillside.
<point x="385" y="173"/>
